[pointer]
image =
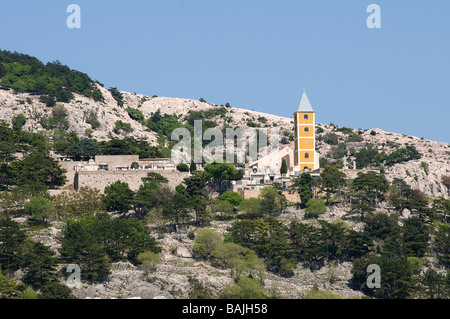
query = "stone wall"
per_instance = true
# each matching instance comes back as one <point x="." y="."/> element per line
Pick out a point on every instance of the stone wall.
<point x="69" y="166"/>
<point x="101" y="179"/>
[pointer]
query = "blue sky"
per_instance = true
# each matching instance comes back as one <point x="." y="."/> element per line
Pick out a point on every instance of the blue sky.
<point x="258" y="54"/>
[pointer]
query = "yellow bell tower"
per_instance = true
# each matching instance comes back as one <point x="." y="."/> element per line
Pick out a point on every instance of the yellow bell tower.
<point x="305" y="136"/>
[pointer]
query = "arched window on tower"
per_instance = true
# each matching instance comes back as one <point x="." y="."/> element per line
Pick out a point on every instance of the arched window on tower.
<point x="306" y="129"/>
<point x="306" y="155"/>
<point x="305" y="116"/>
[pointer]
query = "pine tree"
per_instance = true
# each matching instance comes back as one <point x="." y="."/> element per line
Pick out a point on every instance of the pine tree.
<point x="118" y="197"/>
<point x="279" y="251"/>
<point x="192" y="167"/>
<point x="283" y="169"/>
<point x="11" y="238"/>
<point x="55" y="290"/>
<point x="96" y="264"/>
<point x="331" y="180"/>
<point x="79" y="246"/>
<point x="40" y="265"/>
<point x="303" y="185"/>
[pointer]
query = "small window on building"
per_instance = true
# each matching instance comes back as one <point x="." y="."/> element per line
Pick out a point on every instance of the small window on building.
<point x="306" y="155"/>
<point x="306" y="129"/>
<point x="305" y="116"/>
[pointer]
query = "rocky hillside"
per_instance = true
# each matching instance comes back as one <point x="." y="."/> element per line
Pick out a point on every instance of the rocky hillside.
<point x="424" y="173"/>
<point x="181" y="274"/>
<point x="108" y="112"/>
<point x="174" y="276"/>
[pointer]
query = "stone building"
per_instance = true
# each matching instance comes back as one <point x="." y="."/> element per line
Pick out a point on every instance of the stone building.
<point x="104" y="170"/>
<point x="302" y="159"/>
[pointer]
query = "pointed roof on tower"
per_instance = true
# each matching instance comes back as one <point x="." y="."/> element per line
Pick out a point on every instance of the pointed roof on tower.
<point x="304" y="105"/>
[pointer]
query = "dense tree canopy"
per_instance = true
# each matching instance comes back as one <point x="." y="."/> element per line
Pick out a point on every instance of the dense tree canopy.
<point x="24" y="73"/>
<point x="304" y="186"/>
<point x="218" y="173"/>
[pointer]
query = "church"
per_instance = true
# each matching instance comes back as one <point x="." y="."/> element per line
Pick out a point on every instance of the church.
<point x="301" y="158"/>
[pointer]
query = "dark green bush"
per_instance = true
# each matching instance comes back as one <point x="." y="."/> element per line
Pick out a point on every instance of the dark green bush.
<point x="19" y="121"/>
<point x="55" y="81"/>
<point x="135" y="114"/>
<point x="117" y="95"/>
<point x="183" y="167"/>
<point x="330" y="138"/>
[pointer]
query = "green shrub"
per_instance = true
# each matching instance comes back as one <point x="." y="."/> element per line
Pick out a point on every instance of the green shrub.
<point x="251" y="207"/>
<point x="232" y="197"/>
<point x="354" y="138"/>
<point x="59" y="112"/>
<point x="330" y="138"/>
<point x="403" y="155"/>
<point x="19" y="121"/>
<point x="51" y="123"/>
<point x="315" y="207"/>
<point x="183" y="167"/>
<point x="135" y="114"/>
<point x="368" y="156"/>
<point x="148" y="260"/>
<point x="345" y="130"/>
<point x="191" y="235"/>
<point x="315" y="293"/>
<point x="49" y="101"/>
<point x="117" y="95"/>
<point x="425" y="166"/>
<point x="222" y="206"/>
<point x="245" y="288"/>
<point x="55" y="290"/>
<point x="40" y="208"/>
<point x="29" y="294"/>
<point x="52" y="81"/>
<point x="250" y="123"/>
<point x="164" y="124"/>
<point x="199" y="290"/>
<point x="205" y="242"/>
<point x="88" y="132"/>
<point x="416" y="263"/>
<point x="121" y="126"/>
